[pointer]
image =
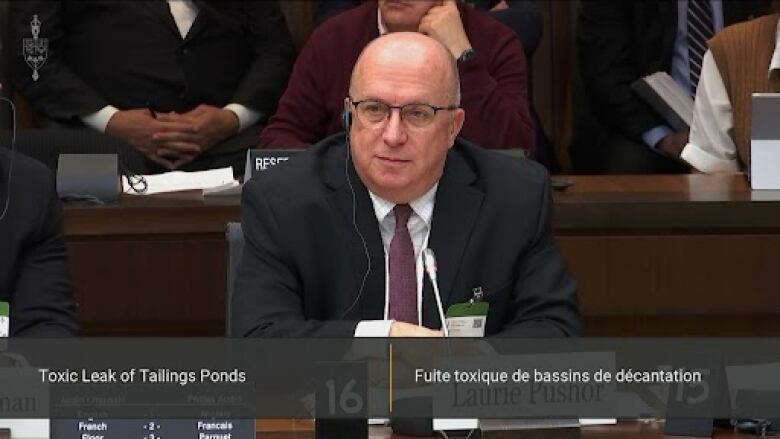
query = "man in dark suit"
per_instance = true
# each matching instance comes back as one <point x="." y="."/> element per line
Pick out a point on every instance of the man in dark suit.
<point x="34" y="277"/>
<point x="619" y="42"/>
<point x="189" y="83"/>
<point x="334" y="238"/>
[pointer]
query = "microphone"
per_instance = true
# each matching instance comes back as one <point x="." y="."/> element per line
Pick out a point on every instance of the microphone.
<point x="429" y="262"/>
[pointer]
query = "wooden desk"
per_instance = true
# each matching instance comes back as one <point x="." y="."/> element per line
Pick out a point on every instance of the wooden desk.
<point x="672" y="255"/>
<point x="151" y="265"/>
<point x="654" y="255"/>
<point x="623" y="430"/>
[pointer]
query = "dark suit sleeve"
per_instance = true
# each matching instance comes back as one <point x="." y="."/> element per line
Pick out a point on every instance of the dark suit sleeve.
<point x="59" y="93"/>
<point x="544" y="302"/>
<point x="268" y="298"/>
<point x="605" y="39"/>
<point x="524" y="18"/>
<point x="266" y="77"/>
<point x="42" y="303"/>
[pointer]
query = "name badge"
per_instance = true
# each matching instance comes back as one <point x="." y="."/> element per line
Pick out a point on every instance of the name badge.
<point x="467" y="319"/>
<point x="261" y="160"/>
<point x="5" y="323"/>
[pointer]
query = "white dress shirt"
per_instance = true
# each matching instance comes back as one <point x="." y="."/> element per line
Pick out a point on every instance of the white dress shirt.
<point x="710" y="148"/>
<point x="184" y="13"/>
<point x="419" y="226"/>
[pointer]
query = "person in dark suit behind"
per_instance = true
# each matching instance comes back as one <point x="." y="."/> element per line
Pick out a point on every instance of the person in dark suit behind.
<point x="34" y="277"/>
<point x="333" y="239"/>
<point x="619" y="42"/>
<point x="189" y="83"/>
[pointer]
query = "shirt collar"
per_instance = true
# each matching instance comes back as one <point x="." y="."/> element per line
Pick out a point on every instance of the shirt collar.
<point x="775" y="63"/>
<point x="422" y="207"/>
<point x="379" y="22"/>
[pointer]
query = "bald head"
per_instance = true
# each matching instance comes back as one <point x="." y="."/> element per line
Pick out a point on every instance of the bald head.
<point x="410" y="51"/>
<point x="400" y="157"/>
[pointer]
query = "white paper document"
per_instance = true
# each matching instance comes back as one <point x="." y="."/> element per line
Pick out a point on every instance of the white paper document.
<point x="182" y="181"/>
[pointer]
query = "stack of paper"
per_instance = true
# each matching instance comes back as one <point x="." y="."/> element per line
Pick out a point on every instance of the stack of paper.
<point x="214" y="180"/>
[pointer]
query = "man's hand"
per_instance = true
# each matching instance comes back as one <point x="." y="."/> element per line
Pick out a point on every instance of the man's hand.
<point x="137" y="127"/>
<point x="210" y="126"/>
<point x="401" y="329"/>
<point x="673" y="144"/>
<point x="444" y="24"/>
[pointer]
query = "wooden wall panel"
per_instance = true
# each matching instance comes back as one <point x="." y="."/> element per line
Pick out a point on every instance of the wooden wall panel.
<point x="675" y="275"/>
<point x="167" y="286"/>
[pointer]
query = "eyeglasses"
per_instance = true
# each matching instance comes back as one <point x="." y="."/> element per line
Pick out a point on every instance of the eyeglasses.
<point x="375" y="113"/>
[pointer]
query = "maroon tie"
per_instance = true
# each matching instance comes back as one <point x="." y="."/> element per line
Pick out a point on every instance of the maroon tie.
<point x="403" y="275"/>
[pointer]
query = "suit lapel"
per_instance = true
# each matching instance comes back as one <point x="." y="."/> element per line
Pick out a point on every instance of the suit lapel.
<point x="454" y="215"/>
<point x="161" y="11"/>
<point x="372" y="301"/>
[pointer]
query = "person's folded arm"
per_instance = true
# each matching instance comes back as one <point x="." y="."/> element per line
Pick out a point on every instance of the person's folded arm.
<point x="494" y="95"/>
<point x="711" y="147"/>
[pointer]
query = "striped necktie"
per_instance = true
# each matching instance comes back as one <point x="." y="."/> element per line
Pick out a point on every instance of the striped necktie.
<point x="700" y="30"/>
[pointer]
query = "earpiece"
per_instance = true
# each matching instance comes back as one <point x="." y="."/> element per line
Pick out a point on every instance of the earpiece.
<point x="346" y="120"/>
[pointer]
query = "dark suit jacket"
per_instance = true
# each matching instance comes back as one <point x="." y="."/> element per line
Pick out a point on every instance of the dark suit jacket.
<point x="130" y="54"/>
<point x="303" y="261"/>
<point x="34" y="275"/>
<point x="619" y="42"/>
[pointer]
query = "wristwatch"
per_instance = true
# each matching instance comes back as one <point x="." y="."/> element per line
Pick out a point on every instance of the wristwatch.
<point x="467" y="55"/>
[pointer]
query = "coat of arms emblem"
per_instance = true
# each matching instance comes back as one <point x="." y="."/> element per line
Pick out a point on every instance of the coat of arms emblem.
<point x="35" y="49"/>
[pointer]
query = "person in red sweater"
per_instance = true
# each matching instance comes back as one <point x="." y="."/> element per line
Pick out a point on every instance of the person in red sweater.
<point x="491" y="65"/>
